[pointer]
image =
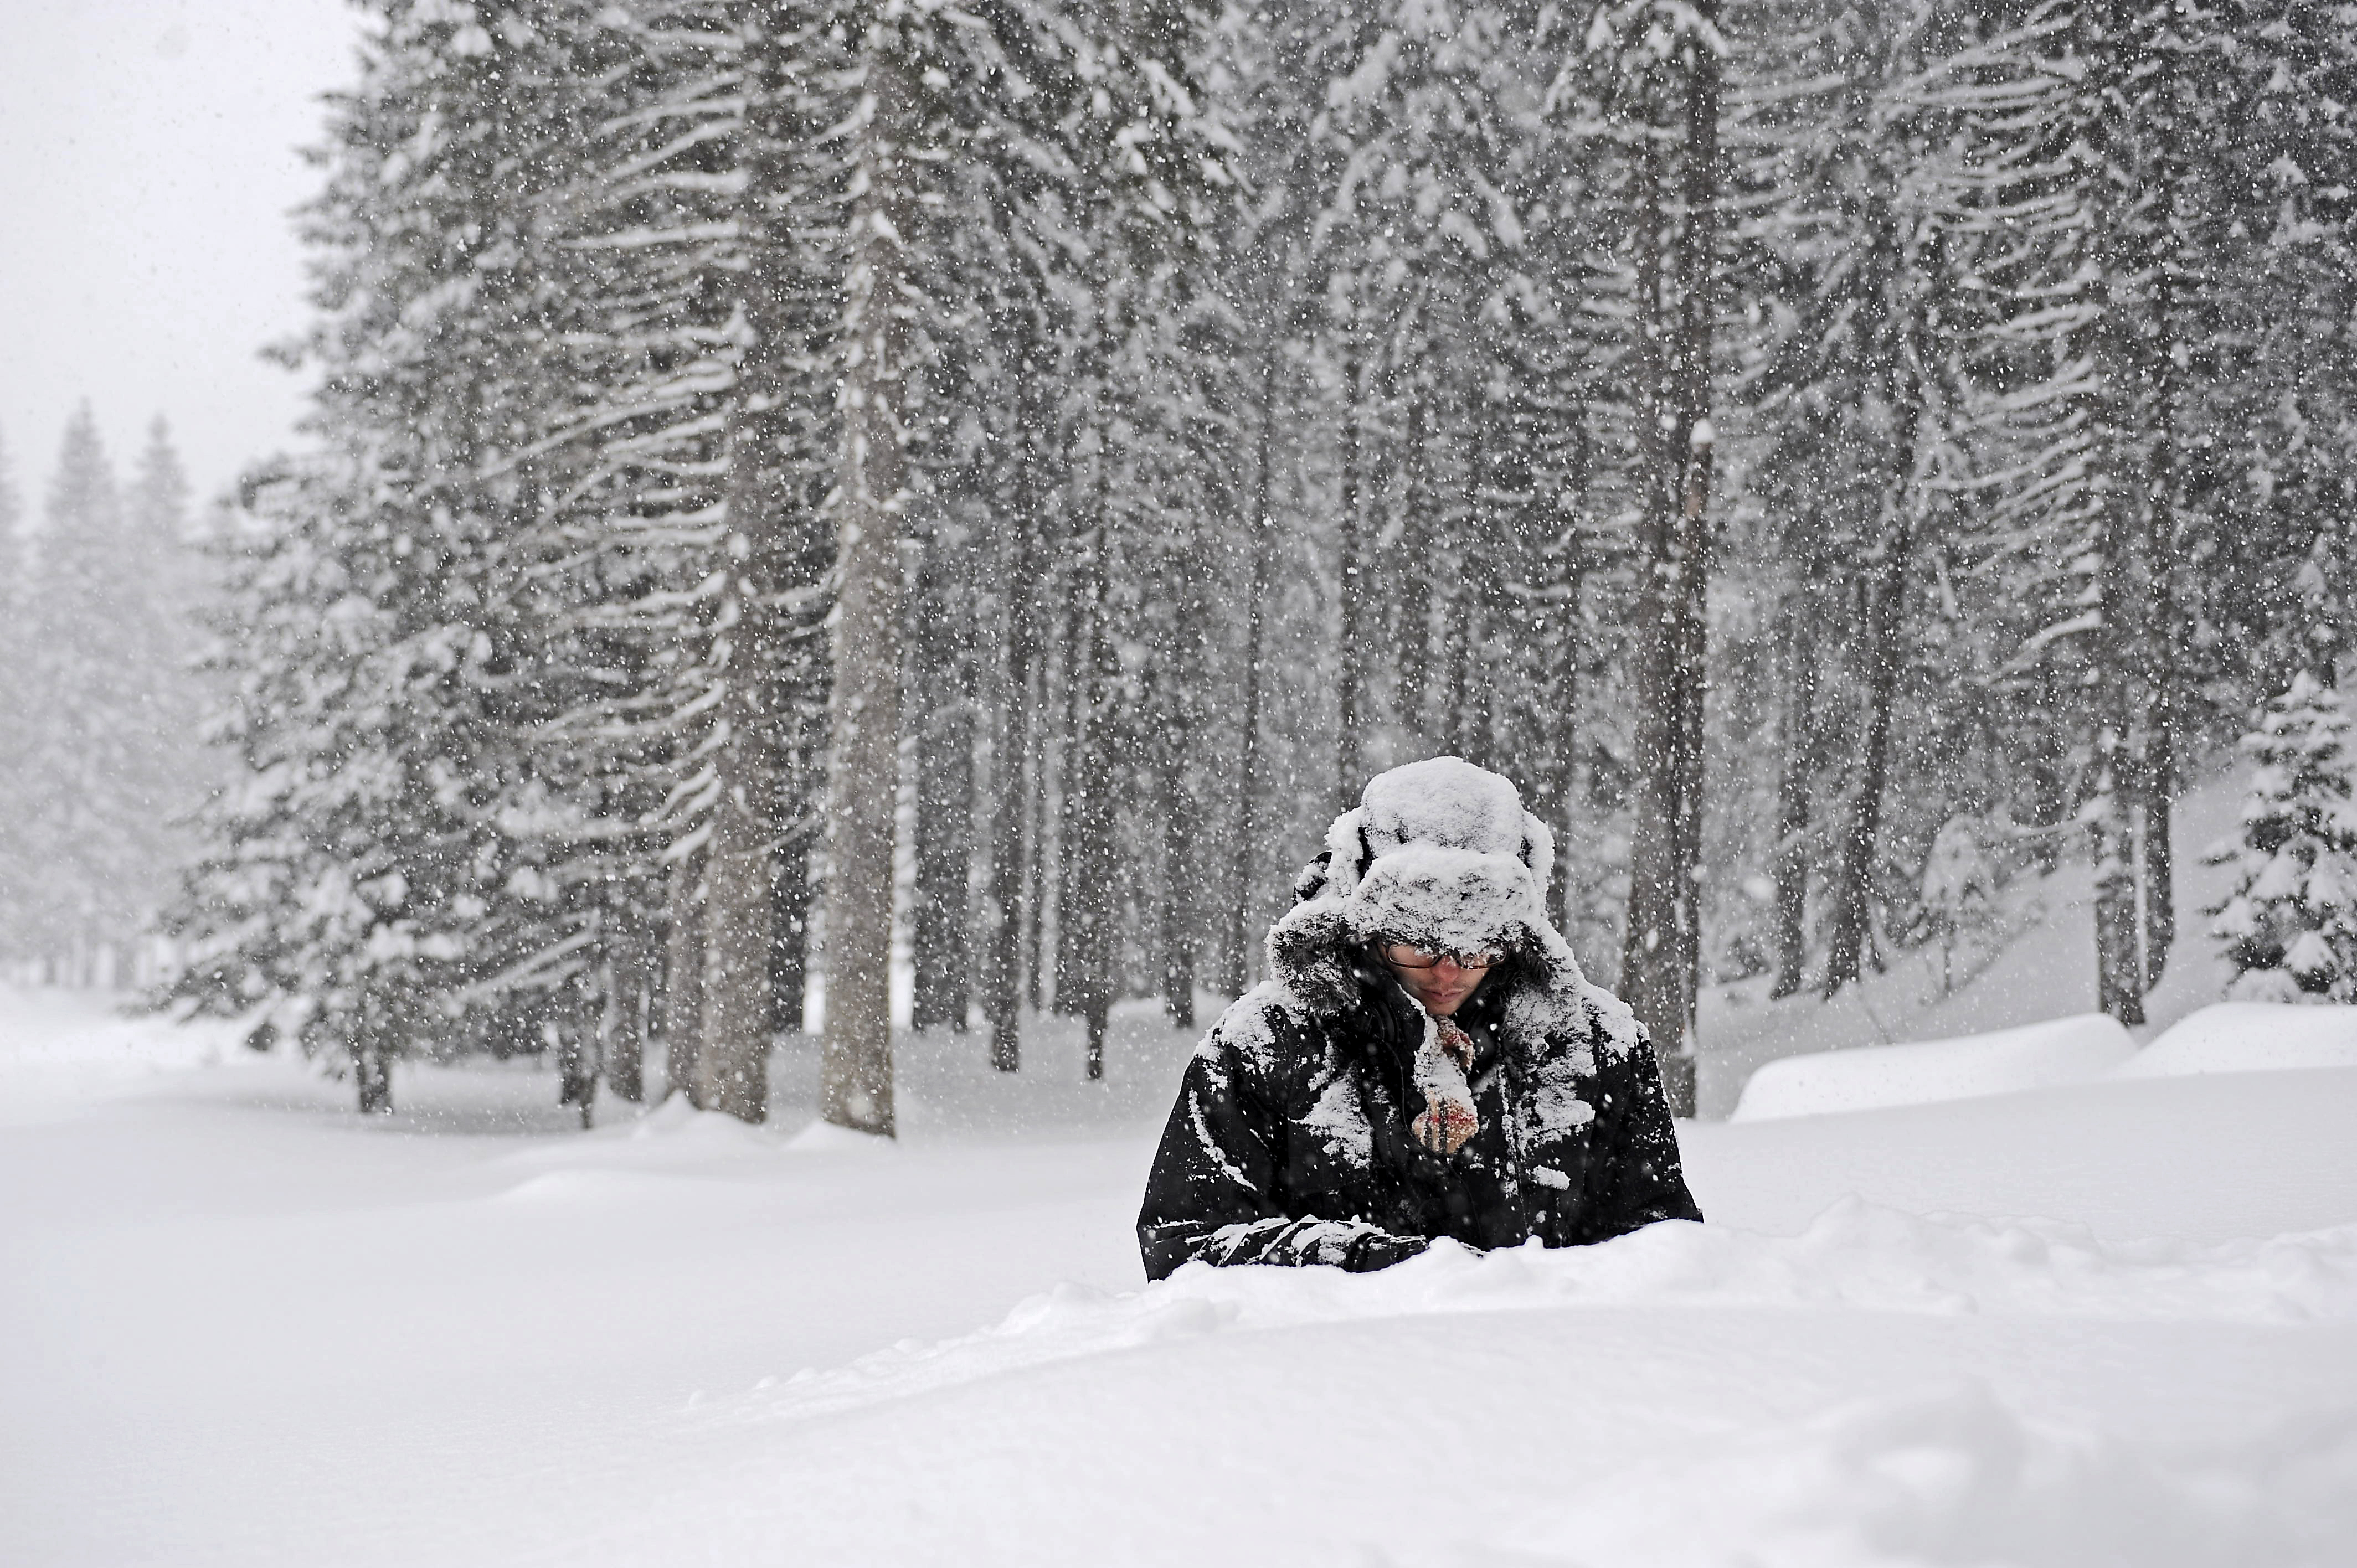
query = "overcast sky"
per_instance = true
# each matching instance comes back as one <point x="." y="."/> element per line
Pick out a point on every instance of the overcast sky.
<point x="147" y="165"/>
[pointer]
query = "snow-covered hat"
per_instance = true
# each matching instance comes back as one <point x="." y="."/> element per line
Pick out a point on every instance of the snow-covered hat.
<point x="1439" y="854"/>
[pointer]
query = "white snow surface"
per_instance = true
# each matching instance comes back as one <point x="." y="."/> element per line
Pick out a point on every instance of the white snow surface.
<point x="2247" y="1036"/>
<point x="2106" y="1322"/>
<point x="2062" y="1050"/>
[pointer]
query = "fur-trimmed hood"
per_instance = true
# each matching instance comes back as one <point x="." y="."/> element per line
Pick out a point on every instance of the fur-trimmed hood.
<point x="1440" y="855"/>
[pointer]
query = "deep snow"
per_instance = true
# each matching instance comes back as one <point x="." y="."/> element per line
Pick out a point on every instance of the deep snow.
<point x="239" y="1325"/>
<point x="2034" y="963"/>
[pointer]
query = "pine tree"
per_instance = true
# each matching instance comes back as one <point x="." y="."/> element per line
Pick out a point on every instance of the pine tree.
<point x="17" y="924"/>
<point x="2289" y="926"/>
<point x="110" y="770"/>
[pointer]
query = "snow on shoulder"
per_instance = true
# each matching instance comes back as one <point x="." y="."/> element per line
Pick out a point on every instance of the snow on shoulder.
<point x="2249" y="1037"/>
<point x="1866" y="1077"/>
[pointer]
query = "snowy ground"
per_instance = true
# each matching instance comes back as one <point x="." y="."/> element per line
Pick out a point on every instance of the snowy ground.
<point x="2037" y="963"/>
<point x="239" y="1325"/>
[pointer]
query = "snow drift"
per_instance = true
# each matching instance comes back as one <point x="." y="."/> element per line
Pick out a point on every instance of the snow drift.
<point x="2065" y="1051"/>
<point x="2250" y="1036"/>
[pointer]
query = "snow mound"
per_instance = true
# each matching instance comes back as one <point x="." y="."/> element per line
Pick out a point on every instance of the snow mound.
<point x="823" y="1137"/>
<point x="2246" y="1036"/>
<point x="1854" y="1255"/>
<point x="1952" y="1474"/>
<point x="677" y="1121"/>
<point x="2063" y="1050"/>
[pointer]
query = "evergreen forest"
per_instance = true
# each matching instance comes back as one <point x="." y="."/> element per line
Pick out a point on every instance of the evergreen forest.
<point x="805" y="491"/>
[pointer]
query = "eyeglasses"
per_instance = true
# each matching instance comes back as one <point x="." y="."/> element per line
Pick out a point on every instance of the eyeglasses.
<point x="1412" y="958"/>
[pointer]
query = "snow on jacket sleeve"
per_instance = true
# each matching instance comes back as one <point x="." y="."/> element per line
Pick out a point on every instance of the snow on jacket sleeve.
<point x="1636" y="1177"/>
<point x="1214" y="1196"/>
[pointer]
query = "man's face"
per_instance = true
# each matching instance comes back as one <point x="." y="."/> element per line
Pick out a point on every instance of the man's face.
<point x="1440" y="981"/>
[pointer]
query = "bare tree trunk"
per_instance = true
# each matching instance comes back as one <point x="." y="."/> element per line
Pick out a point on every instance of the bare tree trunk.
<point x="2134" y="740"/>
<point x="864" y="710"/>
<point x="1560" y="639"/>
<point x="1003" y="960"/>
<point x="577" y="1061"/>
<point x="733" y="1047"/>
<point x="1178" y="844"/>
<point x="1071" y="660"/>
<point x="1352" y="586"/>
<point x="1089" y="901"/>
<point x="1850" y="894"/>
<point x="624" y="1026"/>
<point x="940" y="940"/>
<point x="1414" y="659"/>
<point x="1797" y="768"/>
<point x="372" y="1064"/>
<point x="1174" y="743"/>
<point x="1662" y="950"/>
<point x="732" y="1065"/>
<point x="790" y="906"/>
<point x="1259" y="534"/>
<point x="683" y="997"/>
<point x="1035" y="881"/>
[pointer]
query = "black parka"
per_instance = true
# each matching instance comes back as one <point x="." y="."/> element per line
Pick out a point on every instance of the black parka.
<point x="1290" y="1140"/>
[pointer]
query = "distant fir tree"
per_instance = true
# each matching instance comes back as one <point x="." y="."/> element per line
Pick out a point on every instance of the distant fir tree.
<point x="2289" y="926"/>
<point x="109" y="769"/>
<point x="16" y="718"/>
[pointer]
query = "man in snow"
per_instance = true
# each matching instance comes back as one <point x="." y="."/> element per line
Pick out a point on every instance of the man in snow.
<point x="1426" y="1059"/>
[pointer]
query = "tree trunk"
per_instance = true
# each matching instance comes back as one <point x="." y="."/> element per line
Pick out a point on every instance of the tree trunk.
<point x="374" y="1073"/>
<point x="682" y="991"/>
<point x="732" y="1055"/>
<point x="1661" y="949"/>
<point x="1010" y="783"/>
<point x="1797" y="769"/>
<point x="1352" y="586"/>
<point x="372" y="1070"/>
<point x="1560" y="638"/>
<point x="1174" y="743"/>
<point x="864" y="709"/>
<point x="1088" y="906"/>
<point x="732" y="1064"/>
<point x="624" y="1025"/>
<point x="1259" y="535"/>
<point x="1034" y="883"/>
<point x="940" y="944"/>
<point x="789" y="915"/>
<point x="576" y="1057"/>
<point x="2141" y="182"/>
<point x="1850" y="895"/>
<point x="1177" y="856"/>
<point x="1072" y="659"/>
<point x="1412" y="549"/>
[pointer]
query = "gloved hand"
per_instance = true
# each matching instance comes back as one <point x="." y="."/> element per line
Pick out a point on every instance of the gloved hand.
<point x="1381" y="1249"/>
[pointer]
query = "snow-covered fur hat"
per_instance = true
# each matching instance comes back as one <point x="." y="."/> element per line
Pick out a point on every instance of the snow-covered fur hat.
<point x="1440" y="855"/>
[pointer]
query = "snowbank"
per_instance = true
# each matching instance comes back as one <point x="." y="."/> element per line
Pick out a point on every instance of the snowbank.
<point x="2246" y="1036"/>
<point x="2037" y="963"/>
<point x="2065" y="1051"/>
<point x="1856" y="1256"/>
